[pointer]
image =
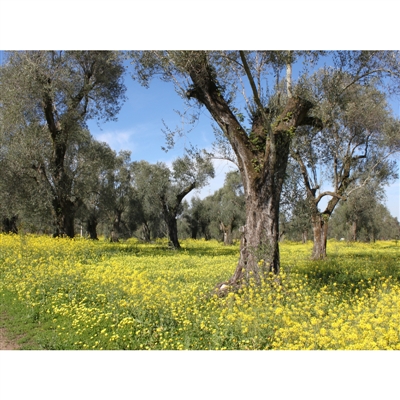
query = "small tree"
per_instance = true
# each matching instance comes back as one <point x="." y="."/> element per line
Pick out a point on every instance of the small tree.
<point x="97" y="161"/>
<point x="117" y="193"/>
<point x="295" y="210"/>
<point x="167" y="188"/>
<point x="25" y="197"/>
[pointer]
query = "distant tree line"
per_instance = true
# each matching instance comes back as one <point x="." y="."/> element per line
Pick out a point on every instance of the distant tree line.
<point x="120" y="198"/>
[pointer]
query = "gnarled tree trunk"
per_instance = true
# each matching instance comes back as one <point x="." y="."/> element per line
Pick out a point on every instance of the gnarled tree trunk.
<point x="64" y="217"/>
<point x="259" y="250"/>
<point x="173" y="232"/>
<point x="146" y="232"/>
<point x="170" y="212"/>
<point x="320" y="231"/>
<point x="227" y="232"/>
<point x="262" y="158"/>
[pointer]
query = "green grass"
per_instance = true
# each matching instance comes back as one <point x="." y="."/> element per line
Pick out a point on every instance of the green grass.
<point x="21" y="322"/>
<point x="79" y="294"/>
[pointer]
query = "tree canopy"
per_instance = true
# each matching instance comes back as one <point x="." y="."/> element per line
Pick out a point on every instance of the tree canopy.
<point x="58" y="91"/>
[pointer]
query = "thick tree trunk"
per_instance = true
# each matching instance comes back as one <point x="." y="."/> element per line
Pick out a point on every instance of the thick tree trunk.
<point x="91" y="227"/>
<point x="304" y="236"/>
<point x="227" y="232"/>
<point x="262" y="158"/>
<point x="69" y="224"/>
<point x="64" y="217"/>
<point x="259" y="247"/>
<point x="173" y="232"/>
<point x="116" y="227"/>
<point x="320" y="231"/>
<point x="354" y="231"/>
<point x="10" y="224"/>
<point x="193" y="233"/>
<point x="146" y="232"/>
<point x="63" y="209"/>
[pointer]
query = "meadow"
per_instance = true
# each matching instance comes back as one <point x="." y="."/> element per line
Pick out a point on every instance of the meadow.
<point x="82" y="294"/>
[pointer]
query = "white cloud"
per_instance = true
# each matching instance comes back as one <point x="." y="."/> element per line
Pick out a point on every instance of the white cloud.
<point x="118" y="140"/>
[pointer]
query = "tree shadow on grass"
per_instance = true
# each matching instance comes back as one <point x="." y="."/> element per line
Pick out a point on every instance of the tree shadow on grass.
<point x="350" y="273"/>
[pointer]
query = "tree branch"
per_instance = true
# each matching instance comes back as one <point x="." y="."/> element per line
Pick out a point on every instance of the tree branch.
<point x="253" y="87"/>
<point x="358" y="78"/>
<point x="328" y="193"/>
<point x="303" y="169"/>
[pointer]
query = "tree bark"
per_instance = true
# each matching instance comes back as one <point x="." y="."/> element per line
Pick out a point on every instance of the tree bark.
<point x="193" y="232"/>
<point x="116" y="227"/>
<point x="227" y="232"/>
<point x="146" y="232"/>
<point x="354" y="231"/>
<point x="259" y="250"/>
<point x="64" y="216"/>
<point x="91" y="226"/>
<point x="114" y="236"/>
<point x="173" y="232"/>
<point x="320" y="231"/>
<point x="304" y="236"/>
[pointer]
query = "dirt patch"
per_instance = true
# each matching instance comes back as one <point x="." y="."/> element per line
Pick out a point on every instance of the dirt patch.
<point x="5" y="343"/>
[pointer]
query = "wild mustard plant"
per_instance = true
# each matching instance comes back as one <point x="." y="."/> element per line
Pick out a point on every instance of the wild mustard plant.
<point x="100" y="295"/>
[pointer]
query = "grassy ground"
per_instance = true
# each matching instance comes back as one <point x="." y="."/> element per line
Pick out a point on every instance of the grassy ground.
<point x="79" y="294"/>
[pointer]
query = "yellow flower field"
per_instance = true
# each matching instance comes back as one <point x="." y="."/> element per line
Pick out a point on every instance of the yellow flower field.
<point x="130" y="295"/>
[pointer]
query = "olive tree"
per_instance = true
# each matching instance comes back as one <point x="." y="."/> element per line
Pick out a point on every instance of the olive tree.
<point x="60" y="91"/>
<point x="261" y="149"/>
<point x="364" y="216"/>
<point x="94" y="165"/>
<point x="352" y="149"/>
<point x="165" y="188"/>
